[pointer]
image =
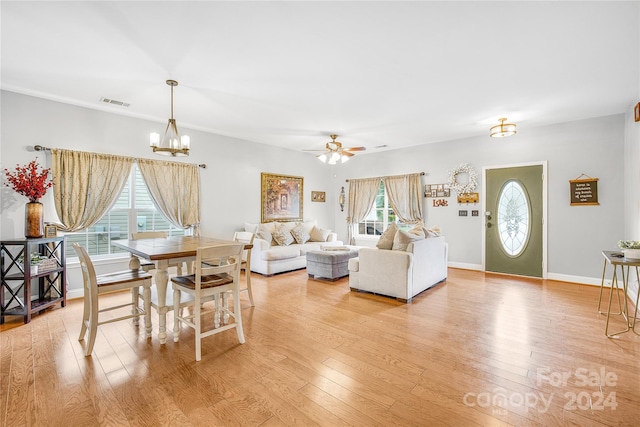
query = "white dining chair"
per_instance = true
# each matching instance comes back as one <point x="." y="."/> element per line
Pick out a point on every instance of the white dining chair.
<point x="217" y="271"/>
<point x="96" y="285"/>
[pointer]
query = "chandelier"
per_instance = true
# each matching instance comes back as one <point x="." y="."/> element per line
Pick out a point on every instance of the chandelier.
<point x="172" y="144"/>
<point x="503" y="129"/>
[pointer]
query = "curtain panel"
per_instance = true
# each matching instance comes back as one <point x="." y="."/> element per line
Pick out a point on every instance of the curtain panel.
<point x="86" y="185"/>
<point x="362" y="194"/>
<point x="405" y="196"/>
<point x="175" y="190"/>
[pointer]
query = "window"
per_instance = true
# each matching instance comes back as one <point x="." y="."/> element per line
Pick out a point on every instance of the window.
<point x="513" y="218"/>
<point x="380" y="216"/>
<point x="134" y="210"/>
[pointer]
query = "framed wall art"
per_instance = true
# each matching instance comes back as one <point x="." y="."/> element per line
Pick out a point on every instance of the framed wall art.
<point x="281" y="197"/>
<point x="318" y="196"/>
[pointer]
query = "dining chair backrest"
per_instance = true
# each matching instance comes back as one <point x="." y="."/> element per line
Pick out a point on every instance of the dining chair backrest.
<point x="217" y="260"/>
<point x="148" y="235"/>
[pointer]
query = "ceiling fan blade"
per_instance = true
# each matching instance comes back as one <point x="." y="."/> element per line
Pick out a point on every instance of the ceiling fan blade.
<point x="354" y="148"/>
<point x="304" y="149"/>
<point x="346" y="153"/>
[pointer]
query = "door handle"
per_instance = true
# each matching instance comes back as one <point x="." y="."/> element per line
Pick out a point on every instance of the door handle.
<point x="489" y="225"/>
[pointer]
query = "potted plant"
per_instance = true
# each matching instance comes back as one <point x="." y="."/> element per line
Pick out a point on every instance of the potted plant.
<point x="630" y="248"/>
<point x="32" y="181"/>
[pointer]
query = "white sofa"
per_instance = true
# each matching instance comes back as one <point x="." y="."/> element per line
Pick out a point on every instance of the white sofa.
<point x="400" y="274"/>
<point x="269" y="258"/>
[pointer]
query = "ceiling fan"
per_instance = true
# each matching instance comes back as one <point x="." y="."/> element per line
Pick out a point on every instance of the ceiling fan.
<point x="334" y="151"/>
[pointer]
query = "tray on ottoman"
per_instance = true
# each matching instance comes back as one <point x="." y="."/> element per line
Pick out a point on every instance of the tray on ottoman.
<point x="329" y="264"/>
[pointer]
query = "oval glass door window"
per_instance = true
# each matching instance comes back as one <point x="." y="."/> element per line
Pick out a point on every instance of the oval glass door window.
<point x="514" y="219"/>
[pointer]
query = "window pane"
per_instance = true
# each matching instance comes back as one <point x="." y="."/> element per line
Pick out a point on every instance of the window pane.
<point x="513" y="218"/>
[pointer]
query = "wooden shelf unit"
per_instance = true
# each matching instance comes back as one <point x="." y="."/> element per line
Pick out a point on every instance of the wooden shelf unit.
<point x="16" y="296"/>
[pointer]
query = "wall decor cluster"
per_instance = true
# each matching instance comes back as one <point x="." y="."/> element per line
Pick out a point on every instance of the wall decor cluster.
<point x="584" y="191"/>
<point x="463" y="187"/>
<point x="318" y="196"/>
<point x="281" y="197"/>
<point x="437" y="190"/>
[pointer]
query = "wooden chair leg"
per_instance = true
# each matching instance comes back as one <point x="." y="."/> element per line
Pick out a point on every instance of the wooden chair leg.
<point x="248" y="275"/>
<point x="198" y="323"/>
<point x="237" y="315"/>
<point x="93" y="326"/>
<point x="176" y="313"/>
<point x="85" y="316"/>
<point x="135" y="293"/>
<point x="146" y="293"/>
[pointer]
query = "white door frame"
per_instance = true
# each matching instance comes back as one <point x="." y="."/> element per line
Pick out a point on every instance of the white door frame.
<point x="544" y="165"/>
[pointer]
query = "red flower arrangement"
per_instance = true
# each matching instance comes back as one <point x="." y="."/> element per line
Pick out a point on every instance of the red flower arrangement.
<point x="29" y="181"/>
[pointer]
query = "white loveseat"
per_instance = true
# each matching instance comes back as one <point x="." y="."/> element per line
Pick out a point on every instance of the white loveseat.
<point x="269" y="258"/>
<point x="402" y="274"/>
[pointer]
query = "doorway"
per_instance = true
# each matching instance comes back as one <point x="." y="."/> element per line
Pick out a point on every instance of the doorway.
<point x="515" y="220"/>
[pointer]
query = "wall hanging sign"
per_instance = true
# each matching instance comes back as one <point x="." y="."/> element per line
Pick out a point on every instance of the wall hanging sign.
<point x="281" y="197"/>
<point x="437" y="203"/>
<point x="437" y="190"/>
<point x="318" y="196"/>
<point x="636" y="112"/>
<point x="468" y="198"/>
<point x="584" y="191"/>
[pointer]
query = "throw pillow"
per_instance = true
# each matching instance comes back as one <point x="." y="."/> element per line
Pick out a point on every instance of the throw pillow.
<point x="299" y="233"/>
<point x="319" y="234"/>
<point x="386" y="240"/>
<point x="283" y="236"/>
<point x="402" y="240"/>
<point x="418" y="230"/>
<point x="265" y="235"/>
<point x="432" y="232"/>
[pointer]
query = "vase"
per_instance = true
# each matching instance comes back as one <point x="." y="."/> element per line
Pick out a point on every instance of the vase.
<point x="34" y="219"/>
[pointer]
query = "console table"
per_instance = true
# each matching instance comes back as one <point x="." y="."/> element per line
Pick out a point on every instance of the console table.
<point x="617" y="259"/>
<point x="18" y="277"/>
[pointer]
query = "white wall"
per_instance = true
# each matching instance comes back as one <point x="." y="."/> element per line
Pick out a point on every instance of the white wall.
<point x="577" y="234"/>
<point x="231" y="183"/>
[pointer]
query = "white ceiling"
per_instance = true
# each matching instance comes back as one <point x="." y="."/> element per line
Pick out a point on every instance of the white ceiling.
<point x="291" y="73"/>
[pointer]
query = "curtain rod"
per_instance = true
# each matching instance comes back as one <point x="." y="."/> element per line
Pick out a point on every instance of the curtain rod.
<point x="389" y="176"/>
<point x="42" y="148"/>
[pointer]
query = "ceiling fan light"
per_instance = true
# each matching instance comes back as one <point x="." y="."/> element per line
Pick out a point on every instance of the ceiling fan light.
<point x="335" y="157"/>
<point x="503" y="129"/>
<point x="344" y="158"/>
<point x="322" y="157"/>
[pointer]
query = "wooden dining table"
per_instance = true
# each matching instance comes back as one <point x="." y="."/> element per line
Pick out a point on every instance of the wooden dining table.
<point x="163" y="251"/>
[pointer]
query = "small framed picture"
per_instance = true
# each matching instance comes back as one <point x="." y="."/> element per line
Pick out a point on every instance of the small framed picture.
<point x="50" y="230"/>
<point x="318" y="196"/>
<point x="636" y="112"/>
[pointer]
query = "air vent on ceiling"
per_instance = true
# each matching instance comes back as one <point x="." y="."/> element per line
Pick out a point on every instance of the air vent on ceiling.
<point x="114" y="102"/>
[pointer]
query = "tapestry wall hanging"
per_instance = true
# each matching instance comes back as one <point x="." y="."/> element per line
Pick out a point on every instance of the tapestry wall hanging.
<point x="281" y="197"/>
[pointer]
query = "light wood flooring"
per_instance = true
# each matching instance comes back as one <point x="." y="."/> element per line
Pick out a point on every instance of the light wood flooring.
<point x="478" y="350"/>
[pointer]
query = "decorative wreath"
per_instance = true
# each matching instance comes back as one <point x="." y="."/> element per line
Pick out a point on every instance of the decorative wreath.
<point x="463" y="188"/>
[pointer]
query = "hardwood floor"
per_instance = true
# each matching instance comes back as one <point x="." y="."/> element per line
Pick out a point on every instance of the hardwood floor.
<point x="480" y="349"/>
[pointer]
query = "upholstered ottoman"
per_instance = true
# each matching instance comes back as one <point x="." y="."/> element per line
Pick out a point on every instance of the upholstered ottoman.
<point x="329" y="264"/>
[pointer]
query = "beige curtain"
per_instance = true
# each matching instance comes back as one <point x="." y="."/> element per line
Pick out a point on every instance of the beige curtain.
<point x="175" y="190"/>
<point x="86" y="185"/>
<point x="405" y="196"/>
<point x="362" y="194"/>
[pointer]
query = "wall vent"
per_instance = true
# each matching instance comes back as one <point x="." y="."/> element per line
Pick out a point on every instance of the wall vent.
<point x="114" y="102"/>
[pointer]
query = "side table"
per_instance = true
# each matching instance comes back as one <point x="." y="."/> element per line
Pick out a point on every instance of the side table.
<point x="616" y="260"/>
